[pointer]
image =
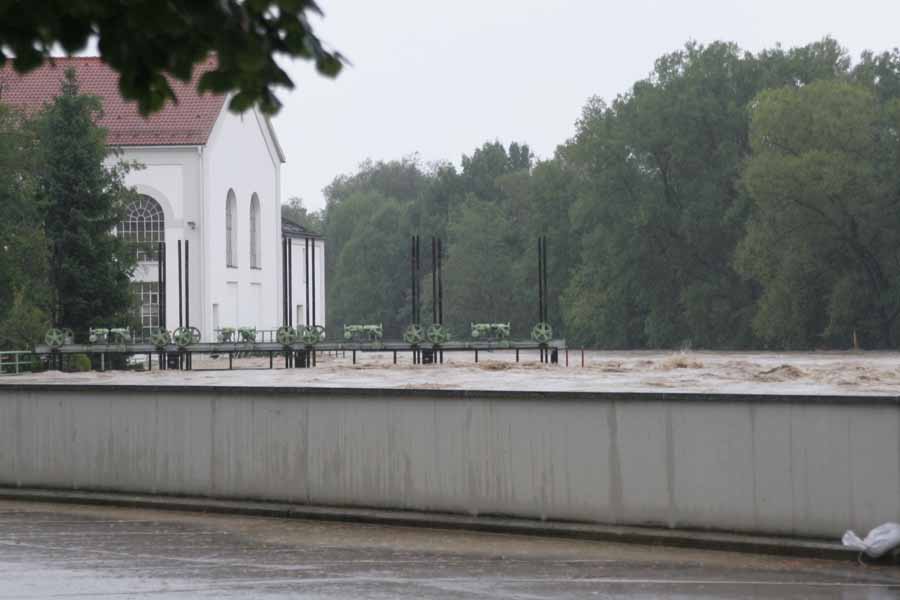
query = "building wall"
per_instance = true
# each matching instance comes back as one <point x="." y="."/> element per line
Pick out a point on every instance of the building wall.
<point x="299" y="278"/>
<point x="173" y="177"/>
<point x="240" y="157"/>
<point x="763" y="464"/>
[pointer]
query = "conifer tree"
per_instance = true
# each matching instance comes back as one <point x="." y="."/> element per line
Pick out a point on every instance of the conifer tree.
<point x="83" y="199"/>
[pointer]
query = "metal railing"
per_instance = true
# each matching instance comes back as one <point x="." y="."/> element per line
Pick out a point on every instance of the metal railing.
<point x="13" y="362"/>
<point x="263" y="336"/>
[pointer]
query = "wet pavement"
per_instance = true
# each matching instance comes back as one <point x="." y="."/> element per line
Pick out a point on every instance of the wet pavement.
<point x="63" y="551"/>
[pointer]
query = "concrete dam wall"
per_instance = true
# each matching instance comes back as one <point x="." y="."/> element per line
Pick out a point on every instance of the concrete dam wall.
<point x="808" y="466"/>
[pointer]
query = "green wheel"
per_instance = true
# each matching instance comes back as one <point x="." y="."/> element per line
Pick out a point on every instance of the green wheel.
<point x="437" y="335"/>
<point x="185" y="336"/>
<point x="160" y="338"/>
<point x="542" y="333"/>
<point x="309" y="335"/>
<point x="55" y="338"/>
<point x="285" y="336"/>
<point x="414" y="335"/>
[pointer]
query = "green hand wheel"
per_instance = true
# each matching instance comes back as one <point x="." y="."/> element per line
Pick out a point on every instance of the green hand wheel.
<point x="542" y="333"/>
<point x="160" y="338"/>
<point x="414" y="335"/>
<point x="55" y="338"/>
<point x="185" y="336"/>
<point x="285" y="336"/>
<point x="309" y="335"/>
<point x="437" y="335"/>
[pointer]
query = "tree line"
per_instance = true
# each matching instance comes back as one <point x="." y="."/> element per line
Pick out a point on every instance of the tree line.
<point x="729" y="200"/>
<point x="60" y="201"/>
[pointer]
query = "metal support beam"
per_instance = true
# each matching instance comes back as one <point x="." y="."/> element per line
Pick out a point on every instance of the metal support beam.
<point x="540" y="281"/>
<point x="284" y="278"/>
<point x="290" y="282"/>
<point x="440" y="283"/>
<point x="306" y="279"/>
<point x="187" y="285"/>
<point x="313" y="262"/>
<point x="180" y="297"/>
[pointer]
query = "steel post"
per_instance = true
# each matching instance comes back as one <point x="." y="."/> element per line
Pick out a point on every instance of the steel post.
<point x="180" y="297"/>
<point x="434" y="280"/>
<point x="306" y="279"/>
<point x="540" y="282"/>
<point x="440" y="270"/>
<point x="187" y="285"/>
<point x="290" y="282"/>
<point x="313" y="261"/>
<point x="284" y="274"/>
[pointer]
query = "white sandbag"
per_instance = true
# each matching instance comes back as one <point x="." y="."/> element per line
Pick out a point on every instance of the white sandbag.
<point x="879" y="542"/>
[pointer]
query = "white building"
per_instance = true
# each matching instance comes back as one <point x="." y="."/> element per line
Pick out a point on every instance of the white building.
<point x="211" y="179"/>
<point x="306" y="291"/>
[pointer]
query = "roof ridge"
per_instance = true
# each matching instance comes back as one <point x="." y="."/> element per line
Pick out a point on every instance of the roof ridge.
<point x="188" y="122"/>
<point x="54" y="58"/>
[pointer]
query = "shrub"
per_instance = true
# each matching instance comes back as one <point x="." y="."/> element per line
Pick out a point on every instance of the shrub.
<point x="80" y="363"/>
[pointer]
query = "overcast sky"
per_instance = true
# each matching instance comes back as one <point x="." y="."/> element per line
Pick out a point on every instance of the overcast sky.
<point x="439" y="78"/>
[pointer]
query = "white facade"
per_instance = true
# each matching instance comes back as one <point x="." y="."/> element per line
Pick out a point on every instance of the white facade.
<point x="192" y="185"/>
<point x="299" y="279"/>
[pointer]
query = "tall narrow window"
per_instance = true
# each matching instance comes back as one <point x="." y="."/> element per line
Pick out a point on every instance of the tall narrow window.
<point x="231" y="230"/>
<point x="147" y="294"/>
<point x="144" y="226"/>
<point x="254" y="233"/>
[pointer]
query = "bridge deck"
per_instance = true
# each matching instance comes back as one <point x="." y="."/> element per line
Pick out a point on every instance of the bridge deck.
<point x="225" y="348"/>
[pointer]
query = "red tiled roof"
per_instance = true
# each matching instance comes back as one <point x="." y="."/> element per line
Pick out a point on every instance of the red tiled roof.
<point x="189" y="122"/>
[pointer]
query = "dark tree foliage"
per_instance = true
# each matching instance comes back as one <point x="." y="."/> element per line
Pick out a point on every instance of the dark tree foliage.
<point x="24" y="291"/>
<point x="82" y="201"/>
<point x="369" y="265"/>
<point x="146" y="40"/>
<point x="296" y="212"/>
<point x="487" y="163"/>
<point x="729" y="200"/>
<point x="824" y="237"/>
<point x="661" y="207"/>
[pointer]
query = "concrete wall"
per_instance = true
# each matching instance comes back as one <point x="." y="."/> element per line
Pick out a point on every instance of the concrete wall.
<point x="801" y="466"/>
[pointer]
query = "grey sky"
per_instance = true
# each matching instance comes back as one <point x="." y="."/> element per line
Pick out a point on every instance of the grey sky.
<point x="439" y="78"/>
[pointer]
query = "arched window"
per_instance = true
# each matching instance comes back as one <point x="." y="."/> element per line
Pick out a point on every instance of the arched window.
<point x="144" y="226"/>
<point x="255" y="232"/>
<point x="231" y="230"/>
